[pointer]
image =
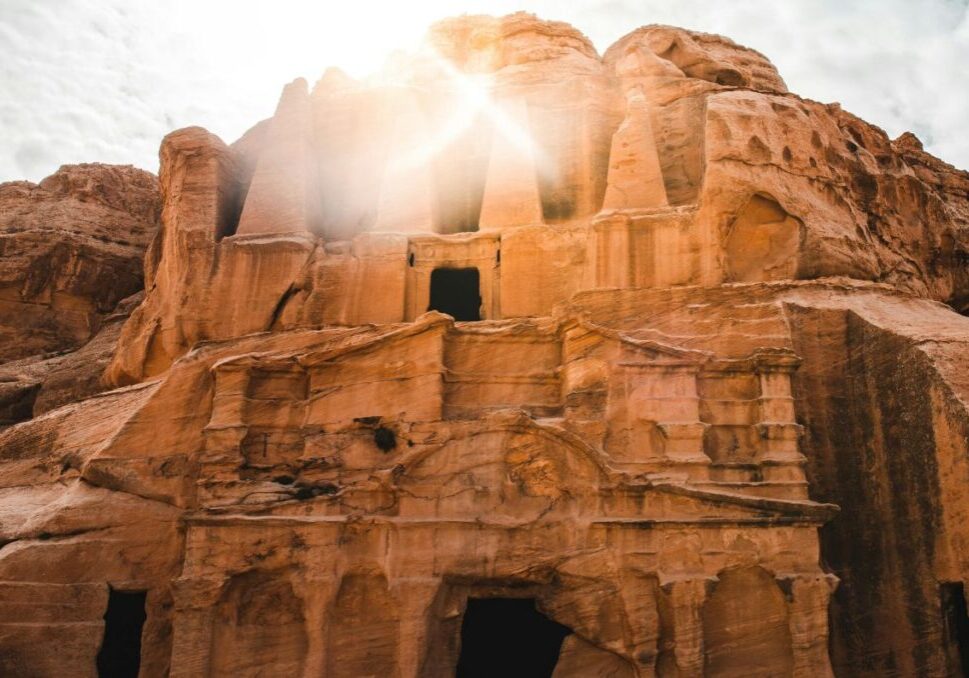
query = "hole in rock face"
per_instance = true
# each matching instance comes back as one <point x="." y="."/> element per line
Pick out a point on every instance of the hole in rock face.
<point x="455" y="291"/>
<point x="385" y="439"/>
<point x="955" y="616"/>
<point x="508" y="637"/>
<point x="730" y="78"/>
<point x="120" y="655"/>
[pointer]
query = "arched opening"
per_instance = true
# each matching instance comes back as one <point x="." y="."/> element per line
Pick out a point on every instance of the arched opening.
<point x="120" y="654"/>
<point x="259" y="628"/>
<point x="763" y="243"/>
<point x="456" y="291"/>
<point x="363" y="628"/>
<point x="508" y="637"/>
<point x="745" y="627"/>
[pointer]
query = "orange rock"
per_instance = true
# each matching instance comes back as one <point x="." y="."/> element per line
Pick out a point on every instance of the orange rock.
<point x="409" y="395"/>
<point x="283" y="196"/>
<point x="511" y="195"/>
<point x="72" y="248"/>
<point x="635" y="178"/>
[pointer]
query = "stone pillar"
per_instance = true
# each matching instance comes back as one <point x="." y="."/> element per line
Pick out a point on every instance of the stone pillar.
<point x="612" y="251"/>
<point x="635" y="177"/>
<point x="223" y="434"/>
<point x="686" y="598"/>
<point x="667" y="394"/>
<point x="192" y="625"/>
<point x="808" y="621"/>
<point x="779" y="432"/>
<point x="317" y="595"/>
<point x="229" y="399"/>
<point x="283" y="196"/>
<point x="511" y="195"/>
<point x="416" y="597"/>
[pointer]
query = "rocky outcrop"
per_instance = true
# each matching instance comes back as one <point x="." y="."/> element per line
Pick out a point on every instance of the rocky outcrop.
<point x="883" y="396"/>
<point x="34" y="385"/>
<point x="854" y="204"/>
<point x="639" y="364"/>
<point x="72" y="247"/>
<point x="682" y="160"/>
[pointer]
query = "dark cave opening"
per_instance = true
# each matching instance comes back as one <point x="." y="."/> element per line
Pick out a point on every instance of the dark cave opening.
<point x="508" y="637"/>
<point x="120" y="655"/>
<point x="456" y="291"/>
<point x="955" y="616"/>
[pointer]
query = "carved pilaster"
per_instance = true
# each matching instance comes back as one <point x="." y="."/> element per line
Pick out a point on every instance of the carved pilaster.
<point x="416" y="597"/>
<point x="779" y="432"/>
<point x="673" y="402"/>
<point x="612" y="245"/>
<point x="228" y="401"/>
<point x="223" y="434"/>
<point x="317" y="596"/>
<point x="685" y="598"/>
<point x="808" y="621"/>
<point x="195" y="609"/>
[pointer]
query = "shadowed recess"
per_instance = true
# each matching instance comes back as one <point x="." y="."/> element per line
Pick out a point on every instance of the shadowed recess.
<point x="508" y="637"/>
<point x="120" y="655"/>
<point x="456" y="291"/>
<point x="956" y="619"/>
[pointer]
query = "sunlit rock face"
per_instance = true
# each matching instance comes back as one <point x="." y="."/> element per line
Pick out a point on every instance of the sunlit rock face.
<point x="72" y="247"/>
<point x="515" y="343"/>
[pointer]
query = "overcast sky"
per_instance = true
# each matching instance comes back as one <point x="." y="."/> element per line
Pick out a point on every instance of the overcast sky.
<point x="105" y="80"/>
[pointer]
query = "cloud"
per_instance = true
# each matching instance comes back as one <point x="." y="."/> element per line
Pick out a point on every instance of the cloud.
<point x="105" y="80"/>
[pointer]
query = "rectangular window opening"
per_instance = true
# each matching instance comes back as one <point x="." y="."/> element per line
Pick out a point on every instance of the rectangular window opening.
<point x="456" y="292"/>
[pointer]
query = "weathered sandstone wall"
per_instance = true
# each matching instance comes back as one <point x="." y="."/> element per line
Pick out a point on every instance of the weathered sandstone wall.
<point x="72" y="248"/>
<point x="645" y="341"/>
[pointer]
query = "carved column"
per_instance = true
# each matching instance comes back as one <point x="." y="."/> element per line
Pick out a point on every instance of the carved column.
<point x="612" y="256"/>
<point x="808" y="621"/>
<point x="192" y="625"/>
<point x="777" y="427"/>
<point x="682" y="427"/>
<point x="416" y="597"/>
<point x="317" y="595"/>
<point x="219" y="462"/>
<point x="686" y="598"/>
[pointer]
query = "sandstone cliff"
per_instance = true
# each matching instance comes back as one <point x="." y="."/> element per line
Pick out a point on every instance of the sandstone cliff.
<point x="73" y="247"/>
<point x="641" y="355"/>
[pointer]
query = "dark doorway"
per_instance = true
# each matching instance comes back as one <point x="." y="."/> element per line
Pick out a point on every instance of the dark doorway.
<point x="508" y="638"/>
<point x="956" y="619"/>
<point x="455" y="291"/>
<point x="120" y="655"/>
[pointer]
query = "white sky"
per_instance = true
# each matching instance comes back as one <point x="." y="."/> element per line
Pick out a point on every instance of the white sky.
<point x="105" y="80"/>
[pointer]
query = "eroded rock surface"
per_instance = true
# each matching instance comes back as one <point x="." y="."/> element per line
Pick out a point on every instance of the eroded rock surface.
<point x="72" y="248"/>
<point x="660" y="351"/>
